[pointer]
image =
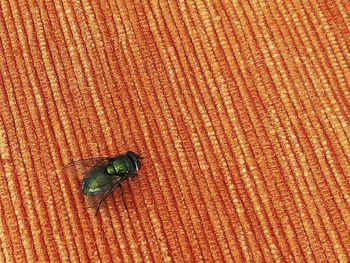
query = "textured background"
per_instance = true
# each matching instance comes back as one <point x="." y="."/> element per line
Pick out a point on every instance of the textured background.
<point x="241" y="109"/>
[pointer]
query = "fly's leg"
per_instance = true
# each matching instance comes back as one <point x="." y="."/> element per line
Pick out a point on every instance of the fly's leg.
<point x="98" y="208"/>
<point x="133" y="176"/>
<point x="103" y="199"/>
<point x="105" y="196"/>
<point x="110" y="191"/>
<point x="122" y="192"/>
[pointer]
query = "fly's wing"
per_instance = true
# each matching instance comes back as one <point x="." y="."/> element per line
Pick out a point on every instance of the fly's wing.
<point x="92" y="200"/>
<point x="97" y="200"/>
<point x="81" y="167"/>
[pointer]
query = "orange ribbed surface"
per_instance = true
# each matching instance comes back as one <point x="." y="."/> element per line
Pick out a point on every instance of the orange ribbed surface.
<point x="241" y="109"/>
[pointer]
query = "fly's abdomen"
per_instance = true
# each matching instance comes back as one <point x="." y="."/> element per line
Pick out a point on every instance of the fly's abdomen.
<point x="96" y="181"/>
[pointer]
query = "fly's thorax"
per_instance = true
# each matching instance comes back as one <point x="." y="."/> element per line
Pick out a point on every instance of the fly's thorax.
<point x="120" y="165"/>
<point x="110" y="168"/>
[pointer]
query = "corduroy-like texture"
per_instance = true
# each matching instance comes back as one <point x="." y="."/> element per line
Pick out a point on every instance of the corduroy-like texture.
<point x="241" y="109"/>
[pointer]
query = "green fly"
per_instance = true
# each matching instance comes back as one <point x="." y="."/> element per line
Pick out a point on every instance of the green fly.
<point x="102" y="175"/>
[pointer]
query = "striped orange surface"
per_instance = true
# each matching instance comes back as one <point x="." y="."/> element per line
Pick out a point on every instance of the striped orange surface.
<point x="241" y="109"/>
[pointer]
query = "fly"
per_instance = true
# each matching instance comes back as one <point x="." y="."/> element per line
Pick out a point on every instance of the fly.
<point x="101" y="176"/>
